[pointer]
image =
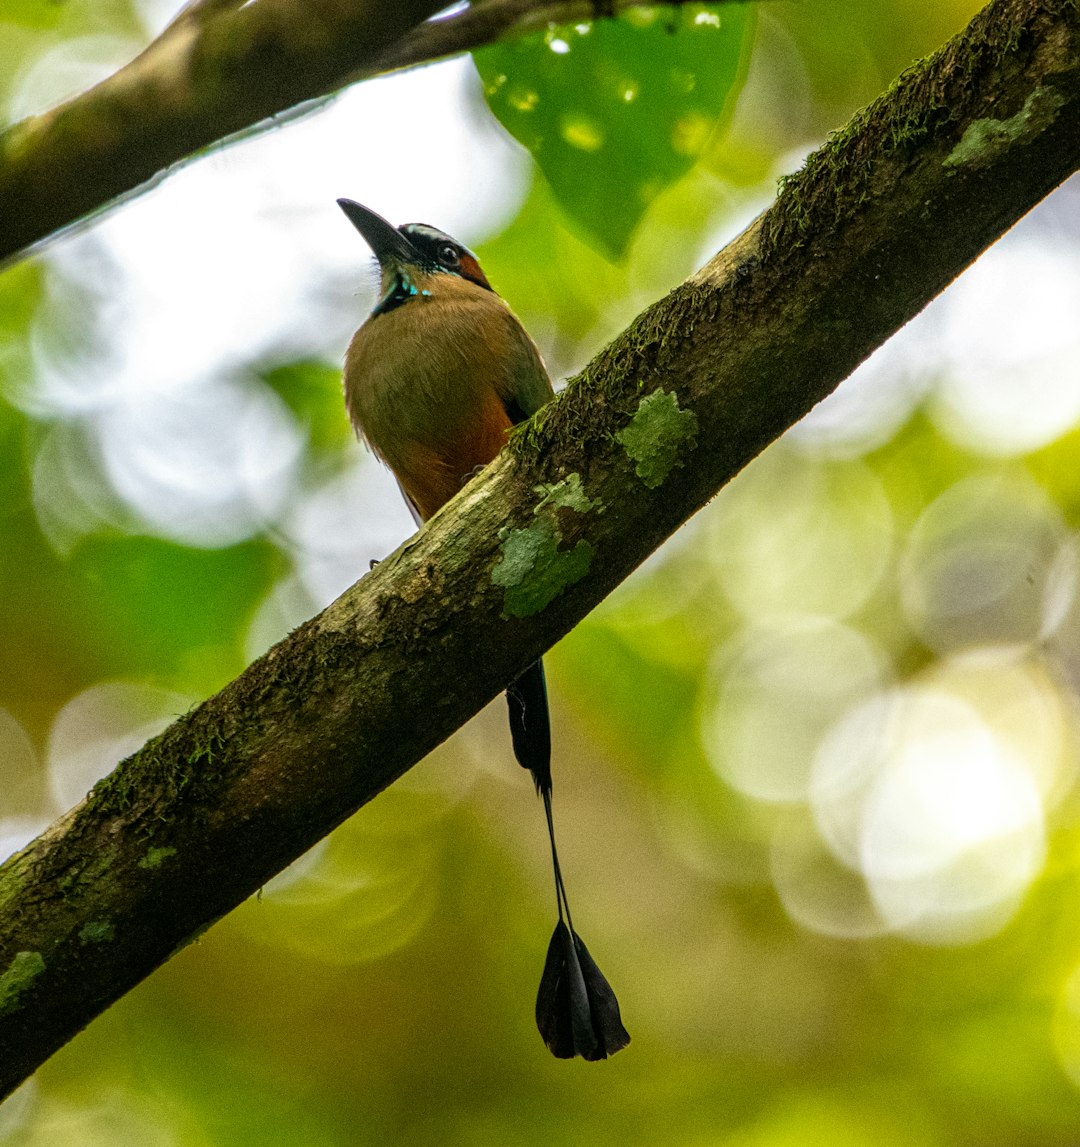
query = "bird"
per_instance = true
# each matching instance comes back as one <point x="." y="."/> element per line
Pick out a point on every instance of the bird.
<point x="434" y="379"/>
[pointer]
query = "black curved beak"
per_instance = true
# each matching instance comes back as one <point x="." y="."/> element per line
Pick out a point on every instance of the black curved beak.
<point x="388" y="243"/>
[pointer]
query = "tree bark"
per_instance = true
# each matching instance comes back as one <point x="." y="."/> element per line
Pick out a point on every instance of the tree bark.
<point x="876" y="224"/>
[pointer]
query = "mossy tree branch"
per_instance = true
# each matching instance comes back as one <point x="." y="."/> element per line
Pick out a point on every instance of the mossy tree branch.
<point x="877" y="223"/>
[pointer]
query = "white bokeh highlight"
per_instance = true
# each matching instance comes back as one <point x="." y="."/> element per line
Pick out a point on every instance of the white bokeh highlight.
<point x="953" y="832"/>
<point x="208" y="465"/>
<point x="101" y="726"/>
<point x="22" y="816"/>
<point x="937" y="793"/>
<point x="777" y="692"/>
<point x="817" y="891"/>
<point x="793" y="537"/>
<point x="983" y="564"/>
<point x="1010" y="381"/>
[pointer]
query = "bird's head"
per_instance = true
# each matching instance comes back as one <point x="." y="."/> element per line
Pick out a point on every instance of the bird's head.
<point x="411" y="256"/>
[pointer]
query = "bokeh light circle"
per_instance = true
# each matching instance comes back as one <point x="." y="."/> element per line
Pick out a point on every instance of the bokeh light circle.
<point x="818" y="891"/>
<point x="953" y="833"/>
<point x="207" y="465"/>
<point x="1011" y="382"/>
<point x="101" y="726"/>
<point x="791" y="536"/>
<point x="937" y="791"/>
<point x="980" y="563"/>
<point x="778" y="690"/>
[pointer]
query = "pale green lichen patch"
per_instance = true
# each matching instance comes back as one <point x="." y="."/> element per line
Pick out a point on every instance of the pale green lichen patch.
<point x="155" y="857"/>
<point x="569" y="494"/>
<point x="533" y="570"/>
<point x="21" y="973"/>
<point x="97" y="932"/>
<point x="987" y="139"/>
<point x="657" y="435"/>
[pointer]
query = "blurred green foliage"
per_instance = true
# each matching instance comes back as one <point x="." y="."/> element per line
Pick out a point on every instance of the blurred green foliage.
<point x="614" y="111"/>
<point x="815" y="762"/>
<point x="31" y="29"/>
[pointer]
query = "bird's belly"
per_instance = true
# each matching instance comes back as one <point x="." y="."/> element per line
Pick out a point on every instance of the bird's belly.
<point x="433" y="427"/>
<point x="426" y="385"/>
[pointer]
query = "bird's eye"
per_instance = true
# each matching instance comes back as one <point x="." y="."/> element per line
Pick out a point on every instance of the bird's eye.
<point x="447" y="255"/>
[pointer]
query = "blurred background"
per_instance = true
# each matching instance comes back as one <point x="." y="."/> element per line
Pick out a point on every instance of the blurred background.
<point x="815" y="762"/>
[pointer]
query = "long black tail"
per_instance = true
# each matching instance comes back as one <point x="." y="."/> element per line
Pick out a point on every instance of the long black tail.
<point x="530" y="725"/>
<point x="576" y="1010"/>
<point x="530" y="729"/>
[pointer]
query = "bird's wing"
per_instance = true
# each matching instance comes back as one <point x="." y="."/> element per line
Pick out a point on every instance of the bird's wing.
<point x="527" y="385"/>
<point x="409" y="502"/>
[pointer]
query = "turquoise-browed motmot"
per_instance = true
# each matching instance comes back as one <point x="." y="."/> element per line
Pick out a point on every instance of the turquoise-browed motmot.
<point x="434" y="379"/>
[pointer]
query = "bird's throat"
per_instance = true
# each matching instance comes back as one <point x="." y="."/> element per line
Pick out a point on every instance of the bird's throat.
<point x="400" y="290"/>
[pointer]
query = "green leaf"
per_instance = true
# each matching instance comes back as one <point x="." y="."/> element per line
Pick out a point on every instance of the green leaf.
<point x="614" y="111"/>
